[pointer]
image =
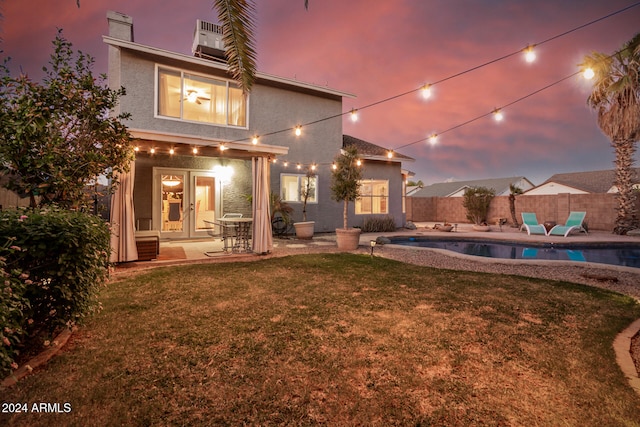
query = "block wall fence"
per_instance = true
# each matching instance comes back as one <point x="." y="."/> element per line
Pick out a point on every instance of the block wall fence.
<point x="600" y="209"/>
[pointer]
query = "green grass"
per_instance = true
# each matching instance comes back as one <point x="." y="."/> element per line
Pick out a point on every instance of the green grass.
<point x="339" y="339"/>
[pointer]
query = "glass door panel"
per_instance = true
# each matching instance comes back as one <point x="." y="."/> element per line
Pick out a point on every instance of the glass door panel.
<point x="205" y="202"/>
<point x="173" y="198"/>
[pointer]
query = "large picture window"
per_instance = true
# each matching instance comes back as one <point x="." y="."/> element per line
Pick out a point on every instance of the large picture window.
<point x="200" y="99"/>
<point x="291" y="187"/>
<point x="374" y="197"/>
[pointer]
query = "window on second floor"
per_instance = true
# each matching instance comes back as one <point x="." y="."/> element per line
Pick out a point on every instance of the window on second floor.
<point x="198" y="98"/>
<point x="292" y="186"/>
<point x="374" y="197"/>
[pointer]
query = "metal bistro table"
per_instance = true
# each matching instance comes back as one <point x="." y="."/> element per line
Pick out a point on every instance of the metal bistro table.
<point x="241" y="234"/>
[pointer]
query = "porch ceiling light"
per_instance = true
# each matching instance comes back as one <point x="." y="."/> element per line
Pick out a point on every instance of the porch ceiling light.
<point x="171" y="181"/>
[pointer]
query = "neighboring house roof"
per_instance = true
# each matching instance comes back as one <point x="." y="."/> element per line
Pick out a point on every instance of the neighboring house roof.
<point x="371" y="151"/>
<point x="456" y="188"/>
<point x="600" y="181"/>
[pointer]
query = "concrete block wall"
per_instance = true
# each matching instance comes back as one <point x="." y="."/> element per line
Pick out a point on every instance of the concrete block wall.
<point x="600" y="208"/>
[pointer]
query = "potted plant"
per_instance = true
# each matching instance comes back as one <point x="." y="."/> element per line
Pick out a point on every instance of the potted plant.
<point x="345" y="187"/>
<point x="476" y="201"/>
<point x="304" y="229"/>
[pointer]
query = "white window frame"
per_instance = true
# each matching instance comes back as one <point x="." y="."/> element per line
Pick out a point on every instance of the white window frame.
<point x="373" y="198"/>
<point x="300" y="178"/>
<point x="182" y="72"/>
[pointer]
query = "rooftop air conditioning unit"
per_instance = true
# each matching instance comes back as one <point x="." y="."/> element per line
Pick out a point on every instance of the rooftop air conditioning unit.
<point x="207" y="40"/>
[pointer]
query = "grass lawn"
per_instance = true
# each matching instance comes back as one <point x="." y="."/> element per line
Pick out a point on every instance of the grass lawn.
<point x="339" y="339"/>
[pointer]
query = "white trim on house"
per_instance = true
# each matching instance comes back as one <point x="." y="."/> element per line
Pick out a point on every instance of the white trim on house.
<point x="553" y="188"/>
<point x="200" y="141"/>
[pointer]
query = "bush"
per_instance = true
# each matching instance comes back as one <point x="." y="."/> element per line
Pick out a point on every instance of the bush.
<point x="62" y="258"/>
<point x="379" y="224"/>
<point x="476" y="201"/>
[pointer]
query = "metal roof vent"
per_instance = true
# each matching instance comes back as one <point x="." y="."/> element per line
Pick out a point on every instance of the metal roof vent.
<point x="207" y="41"/>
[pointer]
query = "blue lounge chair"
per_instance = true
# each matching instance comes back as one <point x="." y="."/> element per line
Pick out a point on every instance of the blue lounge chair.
<point x="531" y="224"/>
<point x="574" y="223"/>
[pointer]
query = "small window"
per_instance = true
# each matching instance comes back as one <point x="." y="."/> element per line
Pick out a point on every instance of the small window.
<point x="374" y="197"/>
<point x="292" y="186"/>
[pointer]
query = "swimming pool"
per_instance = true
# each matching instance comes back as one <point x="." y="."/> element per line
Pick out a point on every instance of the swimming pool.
<point x="621" y="254"/>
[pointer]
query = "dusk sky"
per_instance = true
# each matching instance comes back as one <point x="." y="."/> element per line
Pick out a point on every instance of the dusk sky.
<point x="376" y="49"/>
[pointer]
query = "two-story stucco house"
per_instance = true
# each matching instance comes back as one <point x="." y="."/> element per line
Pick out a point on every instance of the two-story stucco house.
<point x="203" y="147"/>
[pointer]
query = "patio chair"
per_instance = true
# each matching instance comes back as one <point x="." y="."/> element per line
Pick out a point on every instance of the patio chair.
<point x="531" y="224"/>
<point x="574" y="223"/>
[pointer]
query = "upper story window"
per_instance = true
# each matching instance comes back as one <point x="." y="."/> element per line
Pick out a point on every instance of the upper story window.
<point x="197" y="98"/>
<point x="291" y="187"/>
<point x="374" y="196"/>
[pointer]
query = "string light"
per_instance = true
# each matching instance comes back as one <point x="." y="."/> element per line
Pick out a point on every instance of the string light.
<point x="254" y="141"/>
<point x="313" y="167"/>
<point x="588" y="73"/>
<point x="359" y="162"/>
<point x="195" y="150"/>
<point x="222" y="147"/>
<point x="425" y="91"/>
<point x="172" y="151"/>
<point x="334" y="166"/>
<point x="433" y="139"/>
<point x="298" y="130"/>
<point x="286" y="164"/>
<point x="298" y="166"/>
<point x="354" y="115"/>
<point x="497" y="115"/>
<point x="152" y="151"/>
<point x="529" y="54"/>
<point x="390" y="154"/>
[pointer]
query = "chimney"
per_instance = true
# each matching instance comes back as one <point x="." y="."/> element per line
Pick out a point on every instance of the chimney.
<point x="120" y="26"/>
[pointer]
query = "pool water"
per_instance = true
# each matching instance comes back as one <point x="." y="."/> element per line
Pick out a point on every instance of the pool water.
<point x="622" y="254"/>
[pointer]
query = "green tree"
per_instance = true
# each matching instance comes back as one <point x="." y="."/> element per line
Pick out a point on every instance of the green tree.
<point x="514" y="190"/>
<point x="616" y="98"/>
<point x="58" y="136"/>
<point x="345" y="179"/>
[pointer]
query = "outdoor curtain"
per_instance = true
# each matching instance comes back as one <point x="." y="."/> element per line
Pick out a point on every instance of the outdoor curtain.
<point x="122" y="218"/>
<point x="262" y="242"/>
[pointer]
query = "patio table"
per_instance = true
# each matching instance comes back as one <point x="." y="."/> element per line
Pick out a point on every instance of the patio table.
<point x="242" y="235"/>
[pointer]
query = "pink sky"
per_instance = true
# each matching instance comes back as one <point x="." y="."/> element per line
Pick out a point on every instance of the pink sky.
<point x="376" y="49"/>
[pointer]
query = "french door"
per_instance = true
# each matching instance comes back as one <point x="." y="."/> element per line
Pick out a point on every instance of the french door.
<point x="184" y="202"/>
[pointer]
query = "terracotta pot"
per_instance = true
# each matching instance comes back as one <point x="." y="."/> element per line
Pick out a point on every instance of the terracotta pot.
<point x="348" y="239"/>
<point x="477" y="227"/>
<point x="304" y="230"/>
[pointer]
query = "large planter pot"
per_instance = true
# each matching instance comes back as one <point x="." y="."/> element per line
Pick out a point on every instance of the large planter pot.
<point x="348" y="239"/>
<point x="304" y="230"/>
<point x="477" y="227"/>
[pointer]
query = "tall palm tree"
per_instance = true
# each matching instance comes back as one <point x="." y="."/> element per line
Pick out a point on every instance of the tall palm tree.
<point x="616" y="99"/>
<point x="514" y="190"/>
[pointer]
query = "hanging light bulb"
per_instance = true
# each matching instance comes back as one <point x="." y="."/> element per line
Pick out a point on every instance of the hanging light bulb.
<point x="195" y="150"/>
<point x="359" y="162"/>
<point x="152" y="151"/>
<point x="286" y="164"/>
<point x="222" y="147"/>
<point x="425" y="91"/>
<point x="497" y="115"/>
<point x="433" y="139"/>
<point x="136" y="148"/>
<point x="529" y="54"/>
<point x="172" y="151"/>
<point x="298" y="166"/>
<point x="588" y="73"/>
<point x="298" y="130"/>
<point x="354" y="115"/>
<point x="254" y="141"/>
<point x="390" y="154"/>
<point x="334" y="166"/>
<point x="313" y="167"/>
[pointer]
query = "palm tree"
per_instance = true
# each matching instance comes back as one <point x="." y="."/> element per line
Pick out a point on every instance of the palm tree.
<point x="616" y="98"/>
<point x="514" y="190"/>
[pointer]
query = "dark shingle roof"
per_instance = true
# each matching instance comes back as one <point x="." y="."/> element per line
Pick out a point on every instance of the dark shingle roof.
<point x="368" y="149"/>
<point x="445" y="189"/>
<point x="591" y="182"/>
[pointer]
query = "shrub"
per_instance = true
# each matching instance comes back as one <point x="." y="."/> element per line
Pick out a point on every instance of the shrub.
<point x="476" y="201"/>
<point x="65" y="256"/>
<point x="379" y="224"/>
<point x="13" y="307"/>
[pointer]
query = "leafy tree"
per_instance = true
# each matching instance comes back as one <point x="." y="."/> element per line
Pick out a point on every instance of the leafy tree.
<point x="514" y="190"/>
<point x="307" y="190"/>
<point x="418" y="184"/>
<point x="345" y="179"/>
<point x="616" y="99"/>
<point x="476" y="200"/>
<point x="58" y="136"/>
